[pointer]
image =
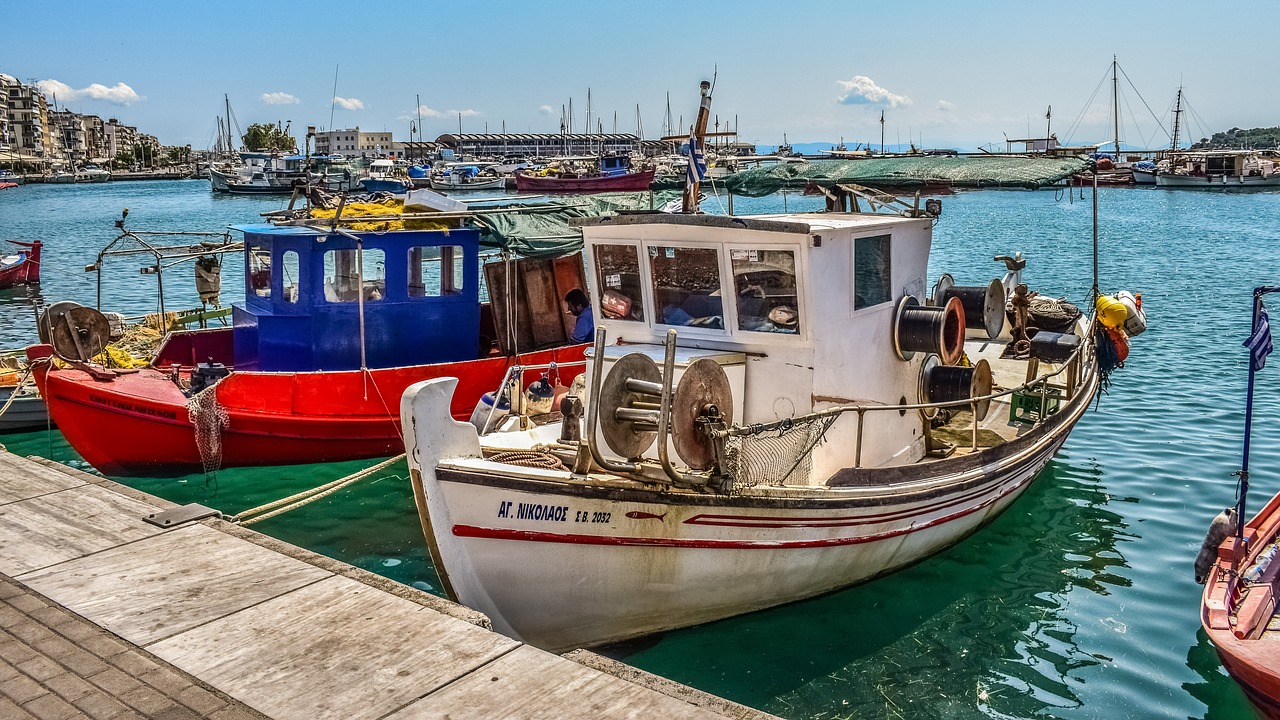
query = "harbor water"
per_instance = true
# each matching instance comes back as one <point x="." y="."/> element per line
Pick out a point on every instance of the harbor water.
<point x="1078" y="602"/>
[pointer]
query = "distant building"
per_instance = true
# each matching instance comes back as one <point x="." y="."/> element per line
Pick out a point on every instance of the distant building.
<point x="25" y="121"/>
<point x="538" y="144"/>
<point x="356" y="143"/>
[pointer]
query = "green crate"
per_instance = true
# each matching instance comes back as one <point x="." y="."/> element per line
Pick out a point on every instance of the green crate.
<point x="1024" y="407"/>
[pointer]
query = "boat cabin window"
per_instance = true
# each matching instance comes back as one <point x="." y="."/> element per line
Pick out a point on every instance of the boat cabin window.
<point x="764" y="282"/>
<point x="260" y="270"/>
<point x="435" y="271"/>
<point x="871" y="271"/>
<point x="618" y="277"/>
<point x="290" y="280"/>
<point x="342" y="279"/>
<point x="686" y="286"/>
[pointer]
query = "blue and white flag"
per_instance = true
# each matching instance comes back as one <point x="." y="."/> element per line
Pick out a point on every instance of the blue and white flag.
<point x="1259" y="343"/>
<point x="697" y="162"/>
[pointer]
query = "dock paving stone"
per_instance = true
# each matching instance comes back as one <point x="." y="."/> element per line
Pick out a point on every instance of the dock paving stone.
<point x="200" y="700"/>
<point x="10" y="711"/>
<point x="13" y="650"/>
<point x="115" y="682"/>
<point x="69" y="686"/>
<point x="147" y="700"/>
<point x="22" y="689"/>
<point x="51" y="707"/>
<point x="40" y="668"/>
<point x="100" y="706"/>
<point x="133" y="663"/>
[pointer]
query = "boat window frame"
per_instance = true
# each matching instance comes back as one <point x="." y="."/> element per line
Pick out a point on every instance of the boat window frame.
<point x="728" y="310"/>
<point x="802" y="309"/>
<point x="853" y="271"/>
<point x="298" y="284"/>
<point x="458" y="271"/>
<point x="324" y="278"/>
<point x="642" y="273"/>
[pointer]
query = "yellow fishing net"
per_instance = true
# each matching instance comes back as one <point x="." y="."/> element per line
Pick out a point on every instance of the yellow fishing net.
<point x="375" y="209"/>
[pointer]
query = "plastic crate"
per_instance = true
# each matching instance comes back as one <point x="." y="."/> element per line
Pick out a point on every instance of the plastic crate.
<point x="1024" y="407"/>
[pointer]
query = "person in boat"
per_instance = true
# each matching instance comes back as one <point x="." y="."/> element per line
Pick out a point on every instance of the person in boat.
<point x="579" y="306"/>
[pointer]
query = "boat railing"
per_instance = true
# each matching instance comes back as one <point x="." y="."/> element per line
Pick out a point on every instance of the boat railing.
<point x="1038" y="387"/>
<point x="512" y="385"/>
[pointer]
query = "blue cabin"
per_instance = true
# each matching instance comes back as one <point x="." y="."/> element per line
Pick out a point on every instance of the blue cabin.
<point x="301" y="311"/>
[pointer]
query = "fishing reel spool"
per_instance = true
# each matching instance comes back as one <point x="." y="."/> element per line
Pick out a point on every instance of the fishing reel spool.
<point x="929" y="329"/>
<point x="631" y="409"/>
<point x="983" y="306"/>
<point x="941" y="383"/>
<point x="77" y="333"/>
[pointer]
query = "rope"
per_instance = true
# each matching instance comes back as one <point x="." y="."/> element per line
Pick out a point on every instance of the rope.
<point x="529" y="458"/>
<point x="17" y="389"/>
<point x="295" y="501"/>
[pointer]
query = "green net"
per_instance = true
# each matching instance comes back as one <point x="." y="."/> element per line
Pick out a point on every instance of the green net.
<point x="899" y="172"/>
<point x="541" y="230"/>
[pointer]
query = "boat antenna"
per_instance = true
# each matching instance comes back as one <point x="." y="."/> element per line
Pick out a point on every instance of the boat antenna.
<point x="1259" y="344"/>
<point x="1115" y="104"/>
<point x="417" y="99"/>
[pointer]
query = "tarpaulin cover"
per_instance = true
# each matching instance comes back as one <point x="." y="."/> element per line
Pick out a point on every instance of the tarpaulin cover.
<point x="900" y="172"/>
<point x="543" y="231"/>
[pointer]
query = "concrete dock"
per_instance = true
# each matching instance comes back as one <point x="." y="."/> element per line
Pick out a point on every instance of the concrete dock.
<point x="105" y="615"/>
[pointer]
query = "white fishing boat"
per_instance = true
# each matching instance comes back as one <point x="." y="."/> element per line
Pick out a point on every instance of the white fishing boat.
<point x="92" y="174"/>
<point x="466" y="176"/>
<point x="1219" y="169"/>
<point x="773" y="410"/>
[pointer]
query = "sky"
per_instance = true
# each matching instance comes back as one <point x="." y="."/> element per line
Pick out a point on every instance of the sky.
<point x="945" y="74"/>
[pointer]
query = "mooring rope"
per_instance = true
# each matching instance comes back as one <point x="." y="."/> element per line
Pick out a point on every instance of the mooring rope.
<point x="295" y="501"/>
<point x="17" y="389"/>
<point x="529" y="458"/>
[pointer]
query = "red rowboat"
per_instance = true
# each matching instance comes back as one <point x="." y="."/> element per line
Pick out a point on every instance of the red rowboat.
<point x="22" y="267"/>
<point x="1238" y="610"/>
<point x="629" y="182"/>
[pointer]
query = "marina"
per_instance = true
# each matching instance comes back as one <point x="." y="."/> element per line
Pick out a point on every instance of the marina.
<point x="1086" y="551"/>
<point x="528" y="382"/>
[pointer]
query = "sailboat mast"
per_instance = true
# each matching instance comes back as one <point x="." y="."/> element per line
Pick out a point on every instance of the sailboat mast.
<point x="230" y="146"/>
<point x="1177" y="113"/>
<point x="690" y="203"/>
<point x="1115" y="104"/>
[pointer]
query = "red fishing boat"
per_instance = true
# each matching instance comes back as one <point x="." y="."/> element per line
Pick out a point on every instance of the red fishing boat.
<point x="22" y="267"/>
<point x="1238" y="566"/>
<point x="334" y="327"/>
<point x="610" y="173"/>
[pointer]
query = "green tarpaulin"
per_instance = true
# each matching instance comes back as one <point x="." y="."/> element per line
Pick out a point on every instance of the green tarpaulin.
<point x="901" y="172"/>
<point x="542" y="229"/>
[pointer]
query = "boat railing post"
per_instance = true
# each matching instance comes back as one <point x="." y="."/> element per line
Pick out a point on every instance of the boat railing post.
<point x="857" y="446"/>
<point x="664" y="408"/>
<point x="973" y="409"/>
<point x="593" y="413"/>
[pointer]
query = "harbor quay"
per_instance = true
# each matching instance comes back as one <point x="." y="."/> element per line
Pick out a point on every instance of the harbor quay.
<point x="117" y="604"/>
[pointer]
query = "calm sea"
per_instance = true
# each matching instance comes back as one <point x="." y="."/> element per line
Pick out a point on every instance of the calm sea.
<point x="1076" y="603"/>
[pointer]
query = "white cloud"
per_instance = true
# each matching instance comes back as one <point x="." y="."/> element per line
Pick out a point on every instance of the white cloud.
<point x="279" y="98"/>
<point x="546" y="110"/>
<point x="862" y="90"/>
<point x="348" y="103"/>
<point x="464" y="113"/>
<point x="118" y="94"/>
<point x="945" y="106"/>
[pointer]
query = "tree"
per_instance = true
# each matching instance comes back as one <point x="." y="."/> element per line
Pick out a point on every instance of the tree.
<point x="123" y="159"/>
<point x="265" y="136"/>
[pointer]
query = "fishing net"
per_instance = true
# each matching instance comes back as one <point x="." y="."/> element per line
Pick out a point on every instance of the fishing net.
<point x="209" y="418"/>
<point x="774" y="457"/>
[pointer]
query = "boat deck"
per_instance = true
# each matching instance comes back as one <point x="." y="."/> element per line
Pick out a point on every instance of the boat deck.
<point x="106" y="614"/>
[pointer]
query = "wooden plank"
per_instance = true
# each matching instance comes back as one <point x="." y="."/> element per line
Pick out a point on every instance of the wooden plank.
<point x="68" y="524"/>
<point x="545" y="307"/>
<point x="534" y="685"/>
<point x="164" y="585"/>
<point x="296" y="656"/>
<point x="22" y="479"/>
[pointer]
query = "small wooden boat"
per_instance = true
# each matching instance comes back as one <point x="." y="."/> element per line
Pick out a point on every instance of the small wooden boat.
<point x="22" y="267"/>
<point x="609" y="173"/>
<point x="1240" y="571"/>
<point x="21" y="409"/>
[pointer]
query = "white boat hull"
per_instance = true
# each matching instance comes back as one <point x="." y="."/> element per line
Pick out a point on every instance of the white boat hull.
<point x="1169" y="180"/>
<point x="486" y="184"/>
<point x="561" y="563"/>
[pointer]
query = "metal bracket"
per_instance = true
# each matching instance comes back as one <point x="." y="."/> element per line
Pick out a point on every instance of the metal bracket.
<point x="174" y="517"/>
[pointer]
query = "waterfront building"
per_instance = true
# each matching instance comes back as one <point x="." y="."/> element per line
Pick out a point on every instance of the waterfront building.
<point x="356" y="143"/>
<point x="538" y="144"/>
<point x="26" y="121"/>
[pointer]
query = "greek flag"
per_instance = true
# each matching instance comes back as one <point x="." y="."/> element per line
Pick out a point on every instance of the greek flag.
<point x="1259" y="343"/>
<point x="697" y="162"/>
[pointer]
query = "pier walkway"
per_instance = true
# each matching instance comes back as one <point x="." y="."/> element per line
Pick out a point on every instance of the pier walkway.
<point x="105" y="615"/>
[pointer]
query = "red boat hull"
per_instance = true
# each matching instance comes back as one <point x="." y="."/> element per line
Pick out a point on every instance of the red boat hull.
<point x="630" y="182"/>
<point x="137" y="423"/>
<point x="27" y="270"/>
<point x="1235" y="614"/>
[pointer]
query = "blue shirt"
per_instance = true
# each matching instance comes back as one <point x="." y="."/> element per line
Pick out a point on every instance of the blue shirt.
<point x="585" y="327"/>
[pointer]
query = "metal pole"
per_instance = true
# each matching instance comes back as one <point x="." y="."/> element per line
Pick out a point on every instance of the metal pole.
<point x="1095" y="232"/>
<point x="1248" y="413"/>
<point x="360" y="297"/>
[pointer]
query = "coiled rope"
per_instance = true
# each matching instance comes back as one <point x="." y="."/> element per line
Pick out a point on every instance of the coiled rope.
<point x="293" y="502"/>
<point x="529" y="458"/>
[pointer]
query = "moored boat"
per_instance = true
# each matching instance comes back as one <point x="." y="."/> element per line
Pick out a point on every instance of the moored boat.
<point x="333" y="328"/>
<point x="1238" y="609"/>
<point x="465" y="176"/>
<point x="1209" y="169"/>
<point x="21" y="267"/>
<point x="386" y="176"/>
<point x="608" y="173"/>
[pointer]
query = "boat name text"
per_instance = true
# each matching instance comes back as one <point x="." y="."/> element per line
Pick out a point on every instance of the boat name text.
<point x="129" y="407"/>
<point x="549" y="513"/>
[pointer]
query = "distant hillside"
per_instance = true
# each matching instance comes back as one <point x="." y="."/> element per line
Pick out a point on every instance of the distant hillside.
<point x="1237" y="138"/>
